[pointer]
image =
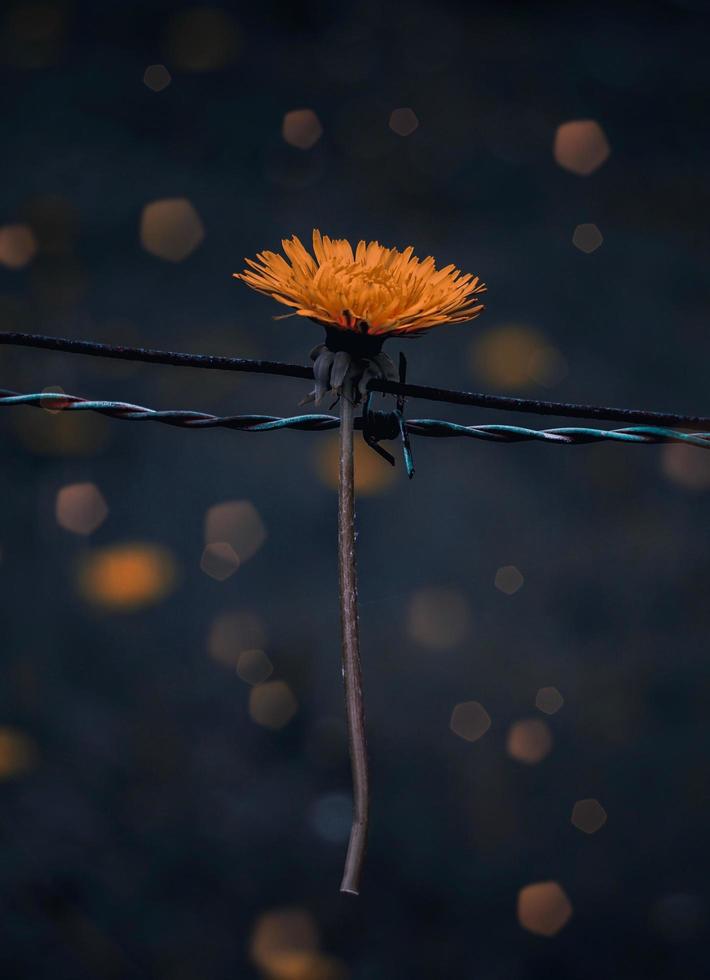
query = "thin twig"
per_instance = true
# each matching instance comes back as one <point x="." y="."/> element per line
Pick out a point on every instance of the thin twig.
<point x="352" y="672"/>
<point x="498" y="402"/>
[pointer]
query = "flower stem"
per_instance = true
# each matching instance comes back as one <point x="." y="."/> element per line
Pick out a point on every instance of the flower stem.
<point x="352" y="674"/>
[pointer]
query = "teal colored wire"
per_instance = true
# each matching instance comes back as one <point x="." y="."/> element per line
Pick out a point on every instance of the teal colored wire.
<point x="577" y="435"/>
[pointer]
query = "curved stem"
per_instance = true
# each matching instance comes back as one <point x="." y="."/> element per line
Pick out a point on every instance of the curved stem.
<point x="352" y="673"/>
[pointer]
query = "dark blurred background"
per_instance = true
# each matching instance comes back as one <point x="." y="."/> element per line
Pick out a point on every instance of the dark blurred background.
<point x="174" y="795"/>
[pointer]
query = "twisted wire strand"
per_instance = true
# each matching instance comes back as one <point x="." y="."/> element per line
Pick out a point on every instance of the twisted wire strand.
<point x="437" y="428"/>
<point x="476" y="398"/>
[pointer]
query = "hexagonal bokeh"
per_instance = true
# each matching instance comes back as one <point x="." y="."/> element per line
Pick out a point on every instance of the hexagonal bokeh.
<point x="529" y="741"/>
<point x="588" y="816"/>
<point x="156" y="78"/>
<point x="470" y="720"/>
<point x="509" y="579"/>
<point x="403" y="121"/>
<point x="254" y="667"/>
<point x="587" y="238"/>
<point x="581" y="146"/>
<point x="171" y="229"/>
<point x="301" y="128"/>
<point x="219" y="560"/>
<point x="238" y="525"/>
<point x="543" y="908"/>
<point x="549" y="700"/>
<point x="81" y="508"/>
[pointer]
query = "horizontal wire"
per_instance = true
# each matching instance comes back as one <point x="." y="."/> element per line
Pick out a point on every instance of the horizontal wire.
<point x="57" y="401"/>
<point x="222" y="363"/>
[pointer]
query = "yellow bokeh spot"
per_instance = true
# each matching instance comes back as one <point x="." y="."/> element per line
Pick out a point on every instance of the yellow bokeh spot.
<point x="284" y="946"/>
<point x="272" y="704"/>
<point x="372" y="473"/>
<point x="17" y="753"/>
<point x="64" y="434"/>
<point x="171" y="229"/>
<point x="128" y="576"/>
<point x="516" y="355"/>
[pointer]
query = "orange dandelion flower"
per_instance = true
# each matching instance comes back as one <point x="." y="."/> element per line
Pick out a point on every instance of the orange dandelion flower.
<point x="376" y="291"/>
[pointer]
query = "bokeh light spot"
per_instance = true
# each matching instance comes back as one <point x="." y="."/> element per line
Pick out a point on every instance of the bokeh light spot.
<point x="588" y="815"/>
<point x="254" y="667"/>
<point x="284" y="946"/>
<point x="516" y="355"/>
<point x="301" y="128"/>
<point x="232" y="633"/>
<point x="470" y="720"/>
<point x="403" y="121"/>
<point x="32" y="34"/>
<point x="581" y="146"/>
<point x="238" y="524"/>
<point x="686" y="465"/>
<point x="543" y="908"/>
<point x="549" y="700"/>
<point x="219" y="560"/>
<point x="203" y="39"/>
<point x="18" y="246"/>
<point x="529" y="741"/>
<point x="171" y="229"/>
<point x="372" y="473"/>
<point x="272" y="704"/>
<point x="587" y="238"/>
<point x="438" y="618"/>
<point x="509" y="579"/>
<point x="157" y="77"/>
<point x="126" y="577"/>
<point x="52" y="405"/>
<point x="81" y="508"/>
<point x="18" y="753"/>
<point x="67" y="434"/>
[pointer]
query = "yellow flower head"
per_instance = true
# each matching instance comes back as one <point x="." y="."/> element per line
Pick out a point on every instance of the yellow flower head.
<point x="375" y="290"/>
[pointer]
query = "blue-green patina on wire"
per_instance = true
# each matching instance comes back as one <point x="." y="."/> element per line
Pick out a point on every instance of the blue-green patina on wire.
<point x="376" y="426"/>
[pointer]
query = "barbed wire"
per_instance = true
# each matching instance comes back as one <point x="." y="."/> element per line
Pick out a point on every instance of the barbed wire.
<point x="380" y="425"/>
<point x="251" y="366"/>
<point x="376" y="426"/>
